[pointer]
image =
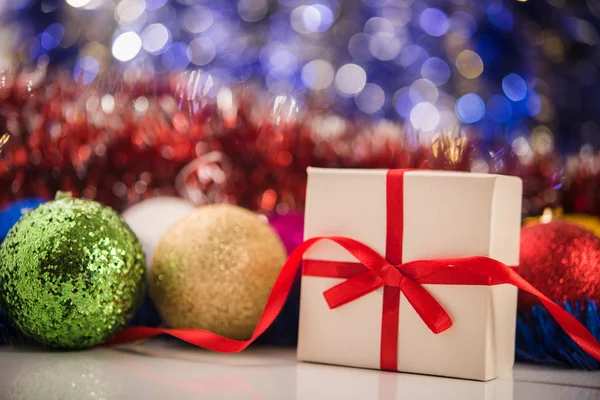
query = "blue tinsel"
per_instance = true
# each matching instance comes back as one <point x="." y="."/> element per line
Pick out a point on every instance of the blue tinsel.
<point x="542" y="341"/>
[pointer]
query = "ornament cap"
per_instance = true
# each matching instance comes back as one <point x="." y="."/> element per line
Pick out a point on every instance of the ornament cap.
<point x="60" y="195"/>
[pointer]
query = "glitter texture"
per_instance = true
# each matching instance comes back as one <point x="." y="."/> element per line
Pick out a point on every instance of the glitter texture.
<point x="214" y="270"/>
<point x="71" y="274"/>
<point x="562" y="260"/>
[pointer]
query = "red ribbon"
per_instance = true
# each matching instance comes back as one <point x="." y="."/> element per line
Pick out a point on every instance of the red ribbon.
<point x="373" y="272"/>
<point x="478" y="270"/>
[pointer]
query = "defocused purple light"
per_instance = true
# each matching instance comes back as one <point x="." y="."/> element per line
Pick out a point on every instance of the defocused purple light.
<point x="434" y="22"/>
<point x="201" y="51"/>
<point x="52" y="36"/>
<point x="385" y="46"/>
<point x="533" y="103"/>
<point x="377" y="25"/>
<point x="423" y="90"/>
<point x="317" y="17"/>
<point x="358" y="47"/>
<point x="436" y="70"/>
<point x="86" y="70"/>
<point x="197" y="19"/>
<point x="425" y="117"/>
<point x="402" y="102"/>
<point x="155" y="38"/>
<point x="412" y="57"/>
<point x="177" y="57"/>
<point x="318" y="74"/>
<point x="152" y="5"/>
<point x="19" y="4"/>
<point x="463" y="24"/>
<point x="283" y="58"/>
<point x="370" y="99"/>
<point x="397" y="16"/>
<point x="252" y="10"/>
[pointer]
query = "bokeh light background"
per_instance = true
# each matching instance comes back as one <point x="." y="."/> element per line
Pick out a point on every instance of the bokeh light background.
<point x="524" y="72"/>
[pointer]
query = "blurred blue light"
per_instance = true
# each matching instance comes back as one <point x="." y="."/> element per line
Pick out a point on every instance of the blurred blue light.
<point x="52" y="36"/>
<point x="514" y="87"/>
<point x="86" y="70"/>
<point x="434" y="22"/>
<point x="500" y="16"/>
<point x="470" y="108"/>
<point x="403" y="103"/>
<point x="499" y="108"/>
<point x="177" y="57"/>
<point x="533" y="103"/>
<point x="436" y="70"/>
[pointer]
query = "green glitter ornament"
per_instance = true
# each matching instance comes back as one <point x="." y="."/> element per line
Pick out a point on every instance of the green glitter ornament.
<point x="72" y="273"/>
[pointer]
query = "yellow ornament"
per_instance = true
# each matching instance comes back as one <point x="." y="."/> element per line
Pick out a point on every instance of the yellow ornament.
<point x="588" y="222"/>
<point x="214" y="270"/>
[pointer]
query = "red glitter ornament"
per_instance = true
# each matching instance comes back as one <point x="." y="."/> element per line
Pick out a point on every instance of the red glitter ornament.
<point x="562" y="260"/>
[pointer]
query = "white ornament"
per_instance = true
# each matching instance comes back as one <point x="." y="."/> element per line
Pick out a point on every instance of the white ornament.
<point x="151" y="218"/>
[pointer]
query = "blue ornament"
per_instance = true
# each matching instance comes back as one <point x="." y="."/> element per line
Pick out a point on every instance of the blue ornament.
<point x="10" y="214"/>
<point x="542" y="341"/>
<point x="8" y="334"/>
<point x="284" y="330"/>
<point x="147" y="315"/>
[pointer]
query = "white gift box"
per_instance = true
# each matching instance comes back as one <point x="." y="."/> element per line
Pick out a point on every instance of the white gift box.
<point x="446" y="215"/>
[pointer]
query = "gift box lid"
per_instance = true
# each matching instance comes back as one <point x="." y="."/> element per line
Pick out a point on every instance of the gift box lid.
<point x="446" y="214"/>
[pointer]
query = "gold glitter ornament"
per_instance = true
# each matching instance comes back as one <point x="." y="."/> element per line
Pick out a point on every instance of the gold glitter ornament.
<point x="214" y="270"/>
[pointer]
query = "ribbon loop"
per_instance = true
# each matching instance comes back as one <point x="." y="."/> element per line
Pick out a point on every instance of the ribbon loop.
<point x="426" y="306"/>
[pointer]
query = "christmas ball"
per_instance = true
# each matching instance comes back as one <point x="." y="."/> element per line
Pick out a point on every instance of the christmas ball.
<point x="214" y="270"/>
<point x="10" y="214"/>
<point x="562" y="260"/>
<point x="151" y="218"/>
<point x="71" y="274"/>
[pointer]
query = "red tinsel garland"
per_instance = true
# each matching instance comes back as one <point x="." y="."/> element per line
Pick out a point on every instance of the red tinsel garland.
<point x="125" y="139"/>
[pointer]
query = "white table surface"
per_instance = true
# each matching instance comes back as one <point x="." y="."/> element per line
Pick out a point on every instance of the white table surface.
<point x="158" y="369"/>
